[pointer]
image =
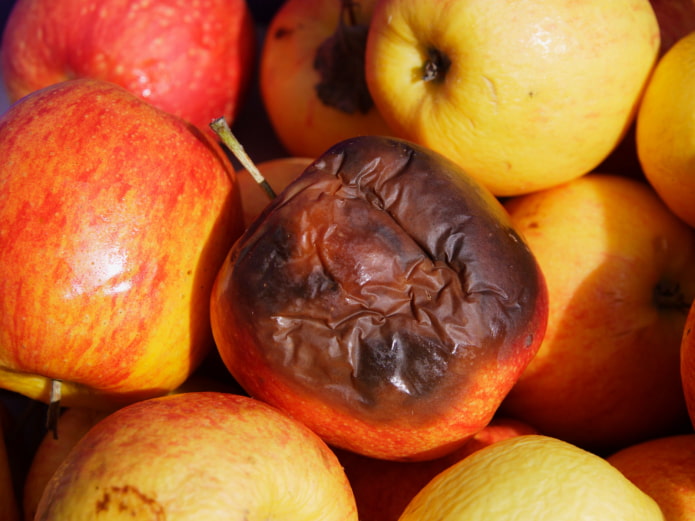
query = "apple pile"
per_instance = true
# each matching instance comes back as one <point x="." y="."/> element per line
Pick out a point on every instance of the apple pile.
<point x="456" y="245"/>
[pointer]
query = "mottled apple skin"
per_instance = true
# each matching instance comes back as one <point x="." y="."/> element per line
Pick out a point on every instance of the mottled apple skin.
<point x="384" y="299"/>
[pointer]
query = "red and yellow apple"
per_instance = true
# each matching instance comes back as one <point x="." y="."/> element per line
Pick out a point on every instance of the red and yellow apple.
<point x="115" y="219"/>
<point x="311" y="75"/>
<point x="192" y="456"/>
<point x="383" y="299"/>
<point x="688" y="362"/>
<point x="522" y="95"/>
<point x="383" y="488"/>
<point x="619" y="270"/>
<point x="663" y="469"/>
<point x="193" y="59"/>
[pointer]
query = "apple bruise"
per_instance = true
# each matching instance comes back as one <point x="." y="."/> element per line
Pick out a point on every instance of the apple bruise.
<point x="339" y="60"/>
<point x="385" y="283"/>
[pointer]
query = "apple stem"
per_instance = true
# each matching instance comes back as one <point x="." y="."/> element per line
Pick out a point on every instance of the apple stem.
<point x="221" y="128"/>
<point x="54" y="408"/>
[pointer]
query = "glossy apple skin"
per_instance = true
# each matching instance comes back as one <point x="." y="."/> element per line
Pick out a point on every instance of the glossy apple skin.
<point x="305" y="124"/>
<point x="383" y="488"/>
<point x="619" y="270"/>
<point x="115" y="219"/>
<point x="383" y="299"/>
<point x="201" y="455"/>
<point x="191" y="59"/>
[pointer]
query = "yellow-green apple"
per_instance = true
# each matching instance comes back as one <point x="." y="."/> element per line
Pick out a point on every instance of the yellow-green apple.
<point x="9" y="509"/>
<point x="278" y="172"/>
<point x="619" y="270"/>
<point x="663" y="469"/>
<point x="203" y="455"/>
<point x="687" y="354"/>
<point x="384" y="299"/>
<point x="193" y="59"/>
<point x="676" y="18"/>
<point x="115" y="217"/>
<point x="311" y="75"/>
<point x="383" y="488"/>
<point x="495" y="84"/>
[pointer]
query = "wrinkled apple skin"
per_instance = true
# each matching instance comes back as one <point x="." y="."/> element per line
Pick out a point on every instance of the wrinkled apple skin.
<point x="114" y="220"/>
<point x="384" y="299"/>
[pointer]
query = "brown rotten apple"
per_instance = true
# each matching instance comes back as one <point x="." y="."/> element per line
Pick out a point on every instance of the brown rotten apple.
<point x="384" y="299"/>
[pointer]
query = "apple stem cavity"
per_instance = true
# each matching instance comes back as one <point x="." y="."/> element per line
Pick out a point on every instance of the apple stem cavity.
<point x="53" y="412"/>
<point x="221" y="128"/>
<point x="339" y="60"/>
<point x="436" y="66"/>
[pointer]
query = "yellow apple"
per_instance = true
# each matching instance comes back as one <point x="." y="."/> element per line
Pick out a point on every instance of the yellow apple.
<point x="522" y="95"/>
<point x="202" y="455"/>
<point x="665" y="136"/>
<point x="116" y="217"/>
<point x="619" y="269"/>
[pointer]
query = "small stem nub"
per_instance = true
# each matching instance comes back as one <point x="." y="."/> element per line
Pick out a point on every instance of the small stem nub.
<point x="436" y="66"/>
<point x="221" y="128"/>
<point x="53" y="412"/>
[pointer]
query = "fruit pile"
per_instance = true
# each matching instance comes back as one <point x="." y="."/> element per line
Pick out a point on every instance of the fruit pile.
<point x="347" y="260"/>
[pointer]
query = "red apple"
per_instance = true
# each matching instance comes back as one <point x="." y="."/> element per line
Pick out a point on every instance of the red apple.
<point x="311" y="75"/>
<point x="193" y="59"/>
<point x="384" y="299"/>
<point x="383" y="488"/>
<point x="193" y="456"/>
<point x="115" y="218"/>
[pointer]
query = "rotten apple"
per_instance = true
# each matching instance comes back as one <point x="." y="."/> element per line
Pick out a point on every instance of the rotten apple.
<point x="384" y="299"/>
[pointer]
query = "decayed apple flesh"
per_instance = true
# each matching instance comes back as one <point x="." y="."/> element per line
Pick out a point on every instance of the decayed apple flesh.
<point x="383" y="283"/>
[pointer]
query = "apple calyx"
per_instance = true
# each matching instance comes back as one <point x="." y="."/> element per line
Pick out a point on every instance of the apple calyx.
<point x="669" y="295"/>
<point x="436" y="66"/>
<point x="339" y="61"/>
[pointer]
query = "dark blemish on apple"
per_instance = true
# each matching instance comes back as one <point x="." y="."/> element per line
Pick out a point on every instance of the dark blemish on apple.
<point x="129" y="500"/>
<point x="282" y="32"/>
<point x="410" y="363"/>
<point x="533" y="224"/>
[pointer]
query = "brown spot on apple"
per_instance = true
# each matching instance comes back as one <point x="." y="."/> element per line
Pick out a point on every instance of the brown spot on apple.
<point x="129" y="500"/>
